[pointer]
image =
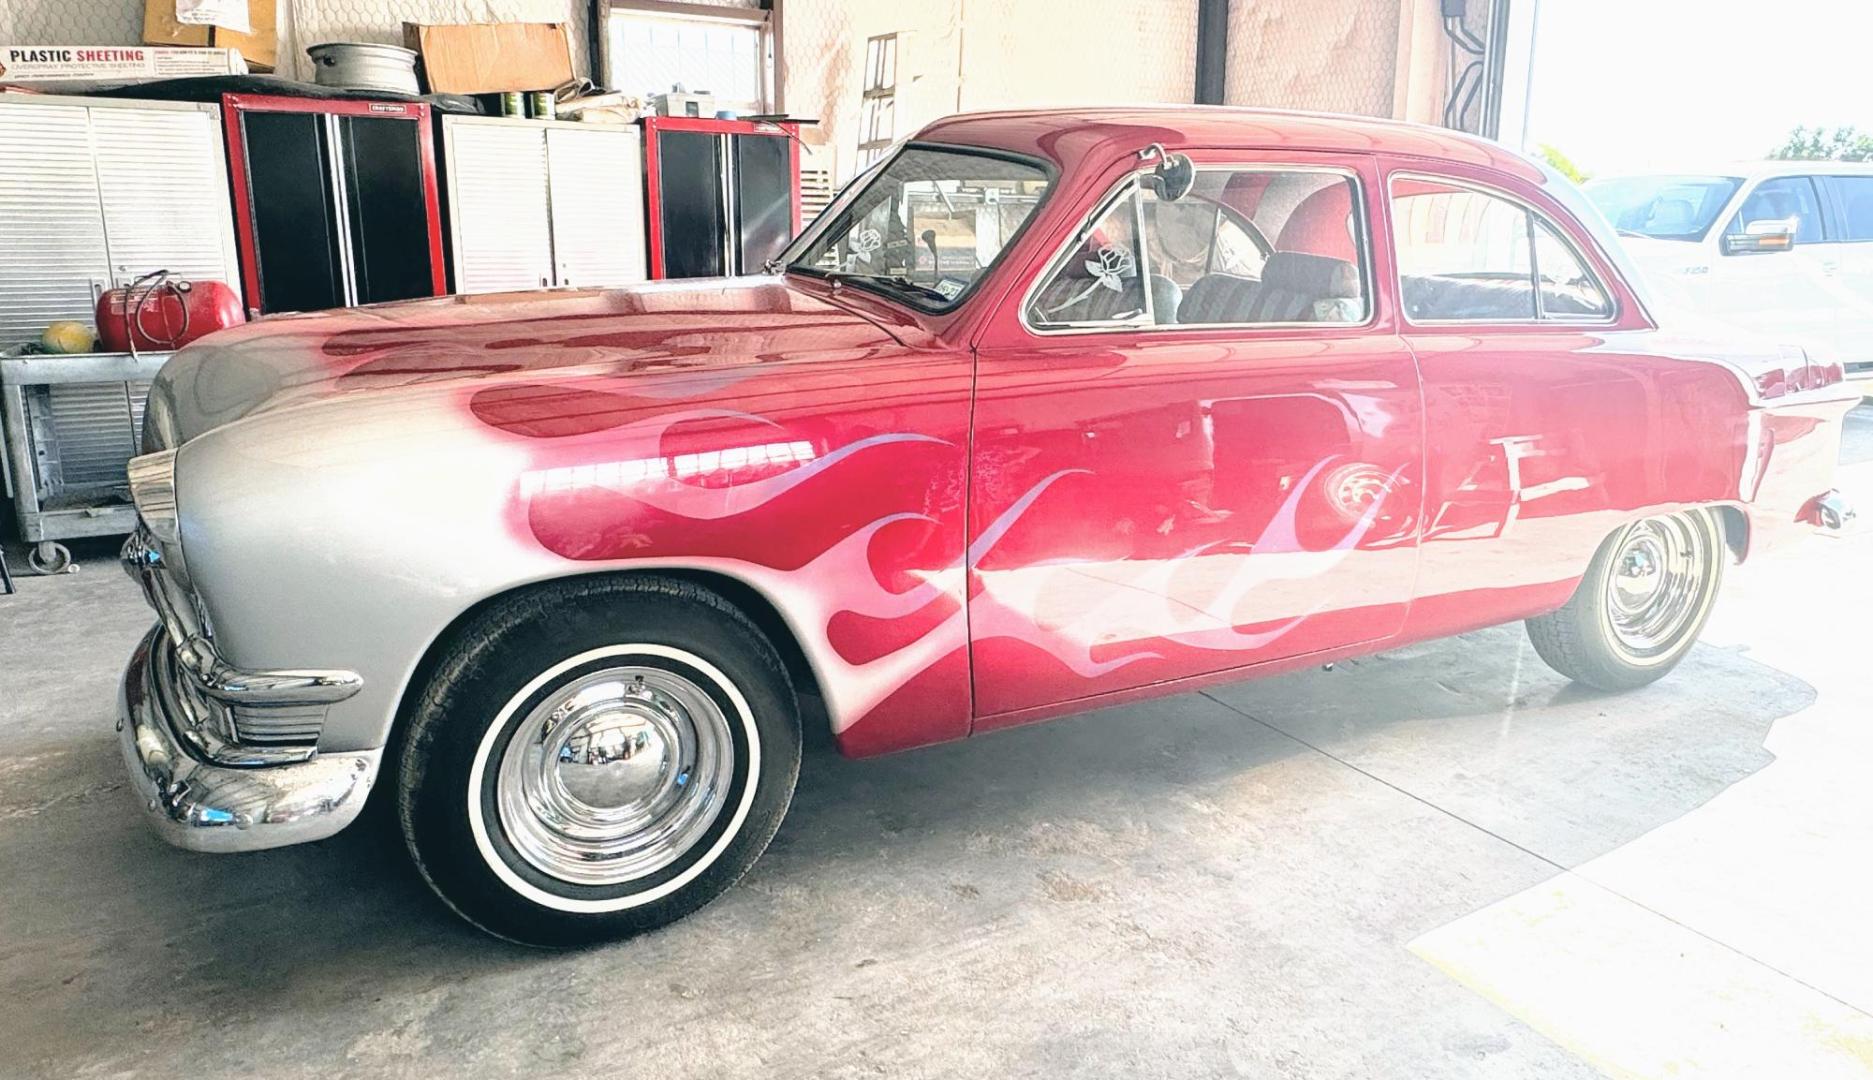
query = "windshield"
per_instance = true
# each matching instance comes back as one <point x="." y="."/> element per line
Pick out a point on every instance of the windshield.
<point x="925" y="227"/>
<point x="1663" y="207"/>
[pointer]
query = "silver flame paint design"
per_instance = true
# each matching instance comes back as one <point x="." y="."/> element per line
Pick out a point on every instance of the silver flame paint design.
<point x="1139" y="603"/>
<point x="1137" y="600"/>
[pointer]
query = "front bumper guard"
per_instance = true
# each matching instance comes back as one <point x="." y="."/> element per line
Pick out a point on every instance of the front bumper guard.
<point x="206" y="807"/>
<point x="213" y="677"/>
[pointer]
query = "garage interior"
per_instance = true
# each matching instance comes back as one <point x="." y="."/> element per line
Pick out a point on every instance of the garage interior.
<point x="1443" y="860"/>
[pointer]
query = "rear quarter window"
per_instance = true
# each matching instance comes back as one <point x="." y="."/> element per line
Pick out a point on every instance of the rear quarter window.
<point x="1466" y="254"/>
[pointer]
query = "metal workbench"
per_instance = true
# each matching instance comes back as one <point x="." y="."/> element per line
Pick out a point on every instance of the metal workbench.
<point x="68" y="424"/>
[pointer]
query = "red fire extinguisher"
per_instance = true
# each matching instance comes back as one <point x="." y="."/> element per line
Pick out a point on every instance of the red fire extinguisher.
<point x="159" y="312"/>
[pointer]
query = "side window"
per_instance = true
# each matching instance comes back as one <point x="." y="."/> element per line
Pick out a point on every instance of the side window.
<point x="1461" y="254"/>
<point x="1099" y="281"/>
<point x="1469" y="256"/>
<point x="1195" y="236"/>
<point x="1779" y="199"/>
<point x="1265" y="246"/>
<point x="1856" y="202"/>
<point x="1567" y="288"/>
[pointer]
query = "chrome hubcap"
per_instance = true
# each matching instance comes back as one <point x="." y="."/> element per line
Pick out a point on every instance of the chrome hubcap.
<point x="615" y="775"/>
<point x="1659" y="584"/>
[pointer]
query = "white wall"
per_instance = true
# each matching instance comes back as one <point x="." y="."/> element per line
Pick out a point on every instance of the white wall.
<point x="1377" y="57"/>
<point x="1370" y="57"/>
<point x="302" y="22"/>
<point x="969" y="55"/>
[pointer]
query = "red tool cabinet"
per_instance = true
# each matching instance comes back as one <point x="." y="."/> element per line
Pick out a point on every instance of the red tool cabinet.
<point x="334" y="201"/>
<point x="722" y="196"/>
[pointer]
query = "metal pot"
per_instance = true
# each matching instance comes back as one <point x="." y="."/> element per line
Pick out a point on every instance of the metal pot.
<point x="357" y="65"/>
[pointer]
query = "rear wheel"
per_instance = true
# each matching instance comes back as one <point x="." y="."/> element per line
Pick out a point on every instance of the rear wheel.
<point x="595" y="759"/>
<point x="1640" y="606"/>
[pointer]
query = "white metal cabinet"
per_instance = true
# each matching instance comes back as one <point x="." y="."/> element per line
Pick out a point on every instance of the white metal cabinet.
<point x="500" y="224"/>
<point x="52" y="254"/>
<point x="163" y="184"/>
<point x="596" y="179"/>
<point x="535" y="203"/>
<point x="96" y="193"/>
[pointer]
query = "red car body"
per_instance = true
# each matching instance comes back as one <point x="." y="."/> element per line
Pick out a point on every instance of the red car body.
<point x="960" y="524"/>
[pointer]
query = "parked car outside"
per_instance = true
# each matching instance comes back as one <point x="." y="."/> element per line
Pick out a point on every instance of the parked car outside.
<point x="1780" y="248"/>
<point x="1210" y="394"/>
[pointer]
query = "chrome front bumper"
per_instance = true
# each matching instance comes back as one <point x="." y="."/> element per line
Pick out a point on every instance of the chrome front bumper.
<point x="206" y="807"/>
<point x="188" y="722"/>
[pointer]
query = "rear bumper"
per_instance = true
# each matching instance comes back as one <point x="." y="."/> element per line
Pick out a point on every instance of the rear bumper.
<point x="206" y="807"/>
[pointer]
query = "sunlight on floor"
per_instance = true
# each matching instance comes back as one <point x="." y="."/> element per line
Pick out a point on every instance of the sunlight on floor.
<point x="1732" y="942"/>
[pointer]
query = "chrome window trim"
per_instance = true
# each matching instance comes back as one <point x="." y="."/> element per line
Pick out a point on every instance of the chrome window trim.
<point x="1367" y="267"/>
<point x="1614" y="311"/>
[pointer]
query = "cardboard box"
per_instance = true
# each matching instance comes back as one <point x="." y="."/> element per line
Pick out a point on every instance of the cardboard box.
<point x="261" y="48"/>
<point x="112" y="63"/>
<point x="489" y="58"/>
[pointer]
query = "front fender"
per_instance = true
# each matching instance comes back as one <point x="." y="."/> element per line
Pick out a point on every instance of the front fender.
<point x="350" y="532"/>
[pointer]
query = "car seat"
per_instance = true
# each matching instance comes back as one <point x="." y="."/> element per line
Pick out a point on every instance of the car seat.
<point x="1311" y="276"/>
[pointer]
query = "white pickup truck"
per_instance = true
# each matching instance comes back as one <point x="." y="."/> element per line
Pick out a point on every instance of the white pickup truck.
<point x="1783" y="248"/>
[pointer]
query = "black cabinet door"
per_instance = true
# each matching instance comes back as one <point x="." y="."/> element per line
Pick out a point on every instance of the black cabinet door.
<point x="389" y="218"/>
<point x="763" y="198"/>
<point x="296" y="238"/>
<point x="689" y="176"/>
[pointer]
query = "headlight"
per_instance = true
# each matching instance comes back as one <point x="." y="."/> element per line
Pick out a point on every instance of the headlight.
<point x="153" y="489"/>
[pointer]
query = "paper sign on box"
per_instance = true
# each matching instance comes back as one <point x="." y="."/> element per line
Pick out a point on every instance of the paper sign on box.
<point x="112" y="63"/>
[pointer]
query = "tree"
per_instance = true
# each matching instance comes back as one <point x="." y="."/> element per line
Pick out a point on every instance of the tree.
<point x="1561" y="163"/>
<point x="1820" y="144"/>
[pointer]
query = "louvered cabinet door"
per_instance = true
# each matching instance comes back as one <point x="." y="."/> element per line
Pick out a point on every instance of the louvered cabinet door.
<point x="500" y="236"/>
<point x="163" y="179"/>
<point x="598" y="205"/>
<point x="52" y="255"/>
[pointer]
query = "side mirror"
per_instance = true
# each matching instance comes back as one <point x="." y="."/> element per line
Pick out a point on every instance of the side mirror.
<point x="1761" y="237"/>
<point x="1173" y="176"/>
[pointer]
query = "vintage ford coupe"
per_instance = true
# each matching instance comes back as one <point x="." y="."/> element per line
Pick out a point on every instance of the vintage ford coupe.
<point x="1048" y="411"/>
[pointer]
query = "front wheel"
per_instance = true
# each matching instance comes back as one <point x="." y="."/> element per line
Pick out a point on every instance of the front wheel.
<point x="596" y="759"/>
<point x="1640" y="606"/>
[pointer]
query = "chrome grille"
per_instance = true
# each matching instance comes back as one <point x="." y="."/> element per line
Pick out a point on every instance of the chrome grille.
<point x="278" y="725"/>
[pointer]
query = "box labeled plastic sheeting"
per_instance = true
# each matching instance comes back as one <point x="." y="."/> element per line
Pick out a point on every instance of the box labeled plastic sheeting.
<point x="490" y="58"/>
<point x="260" y="46"/>
<point x="112" y="63"/>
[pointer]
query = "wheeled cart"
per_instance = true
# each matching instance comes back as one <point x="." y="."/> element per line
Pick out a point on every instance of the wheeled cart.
<point x="70" y="423"/>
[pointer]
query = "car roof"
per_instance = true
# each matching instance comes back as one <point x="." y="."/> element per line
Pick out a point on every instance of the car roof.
<point x="1068" y="134"/>
<point x="1756" y="170"/>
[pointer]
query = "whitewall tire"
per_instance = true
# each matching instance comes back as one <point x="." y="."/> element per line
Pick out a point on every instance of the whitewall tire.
<point x="596" y="758"/>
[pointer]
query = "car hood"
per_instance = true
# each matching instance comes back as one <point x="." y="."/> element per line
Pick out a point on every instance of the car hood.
<point x="685" y="329"/>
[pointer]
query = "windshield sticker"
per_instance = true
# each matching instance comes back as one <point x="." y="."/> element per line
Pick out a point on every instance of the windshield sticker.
<point x="1111" y="266"/>
<point x="950" y="287"/>
<point x="863" y="243"/>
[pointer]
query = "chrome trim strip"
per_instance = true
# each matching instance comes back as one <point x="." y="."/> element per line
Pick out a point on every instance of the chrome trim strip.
<point x="340" y="155"/>
<point x="1368" y="269"/>
<point x="203" y="807"/>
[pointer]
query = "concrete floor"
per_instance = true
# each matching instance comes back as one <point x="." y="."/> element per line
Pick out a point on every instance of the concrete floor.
<point x="1442" y="861"/>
